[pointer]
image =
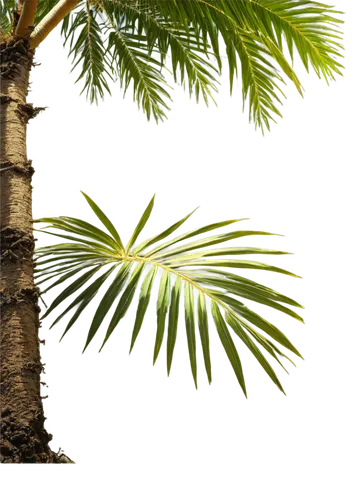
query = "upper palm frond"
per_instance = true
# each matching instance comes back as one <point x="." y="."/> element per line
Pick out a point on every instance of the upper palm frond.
<point x="89" y="50"/>
<point x="153" y="47"/>
<point x="190" y="268"/>
<point x="307" y="26"/>
<point x="259" y="77"/>
<point x="132" y="62"/>
<point x="263" y="39"/>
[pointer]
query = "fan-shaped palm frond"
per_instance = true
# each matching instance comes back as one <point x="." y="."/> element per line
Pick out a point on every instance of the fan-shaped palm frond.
<point x="189" y="268"/>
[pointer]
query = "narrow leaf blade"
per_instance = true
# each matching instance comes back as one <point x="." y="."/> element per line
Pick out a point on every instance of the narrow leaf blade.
<point x="173" y="322"/>
<point x="107" y="300"/>
<point x="204" y="229"/>
<point x="140" y="225"/>
<point x="124" y="301"/>
<point x="228" y="345"/>
<point x="163" y="234"/>
<point x="105" y="221"/>
<point x="87" y="295"/>
<point x="144" y="299"/>
<point x="204" y="333"/>
<point x="190" y="327"/>
<point x="162" y="309"/>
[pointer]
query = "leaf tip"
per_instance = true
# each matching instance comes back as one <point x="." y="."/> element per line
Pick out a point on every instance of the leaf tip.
<point x="83" y="350"/>
<point x="300" y="277"/>
<point x="154" y="196"/>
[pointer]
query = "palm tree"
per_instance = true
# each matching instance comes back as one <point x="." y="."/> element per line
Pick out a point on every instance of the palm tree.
<point x="130" y="41"/>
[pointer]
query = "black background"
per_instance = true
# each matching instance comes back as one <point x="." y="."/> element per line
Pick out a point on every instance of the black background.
<point x="199" y="156"/>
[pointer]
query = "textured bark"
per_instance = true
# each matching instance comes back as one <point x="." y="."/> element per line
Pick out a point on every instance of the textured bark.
<point x="23" y="436"/>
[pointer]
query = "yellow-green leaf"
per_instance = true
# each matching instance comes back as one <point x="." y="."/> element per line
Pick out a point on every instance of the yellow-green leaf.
<point x="105" y="221"/>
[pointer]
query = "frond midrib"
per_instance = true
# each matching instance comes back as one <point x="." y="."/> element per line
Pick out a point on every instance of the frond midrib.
<point x="205" y="291"/>
<point x="89" y="26"/>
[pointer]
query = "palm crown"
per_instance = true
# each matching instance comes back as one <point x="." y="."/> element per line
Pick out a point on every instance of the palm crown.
<point x="191" y="267"/>
<point x="133" y="40"/>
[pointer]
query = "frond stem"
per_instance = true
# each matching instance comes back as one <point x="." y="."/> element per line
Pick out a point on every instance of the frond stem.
<point x="51" y="20"/>
<point x="27" y="17"/>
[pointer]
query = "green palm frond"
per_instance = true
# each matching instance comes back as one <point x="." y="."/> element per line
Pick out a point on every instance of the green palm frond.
<point x="253" y="32"/>
<point x="259" y="77"/>
<point x="310" y="27"/>
<point x="84" y="35"/>
<point x="164" y="36"/>
<point x="132" y="62"/>
<point x="139" y="41"/>
<point x="194" y="270"/>
<point x="152" y="48"/>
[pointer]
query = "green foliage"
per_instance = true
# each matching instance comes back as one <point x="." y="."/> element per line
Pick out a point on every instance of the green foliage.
<point x="150" y="48"/>
<point x="89" y="50"/>
<point x="190" y="269"/>
<point x="44" y="7"/>
<point x="6" y="12"/>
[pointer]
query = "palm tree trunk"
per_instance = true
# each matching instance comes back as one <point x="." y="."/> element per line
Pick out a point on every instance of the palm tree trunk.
<point x="23" y="437"/>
